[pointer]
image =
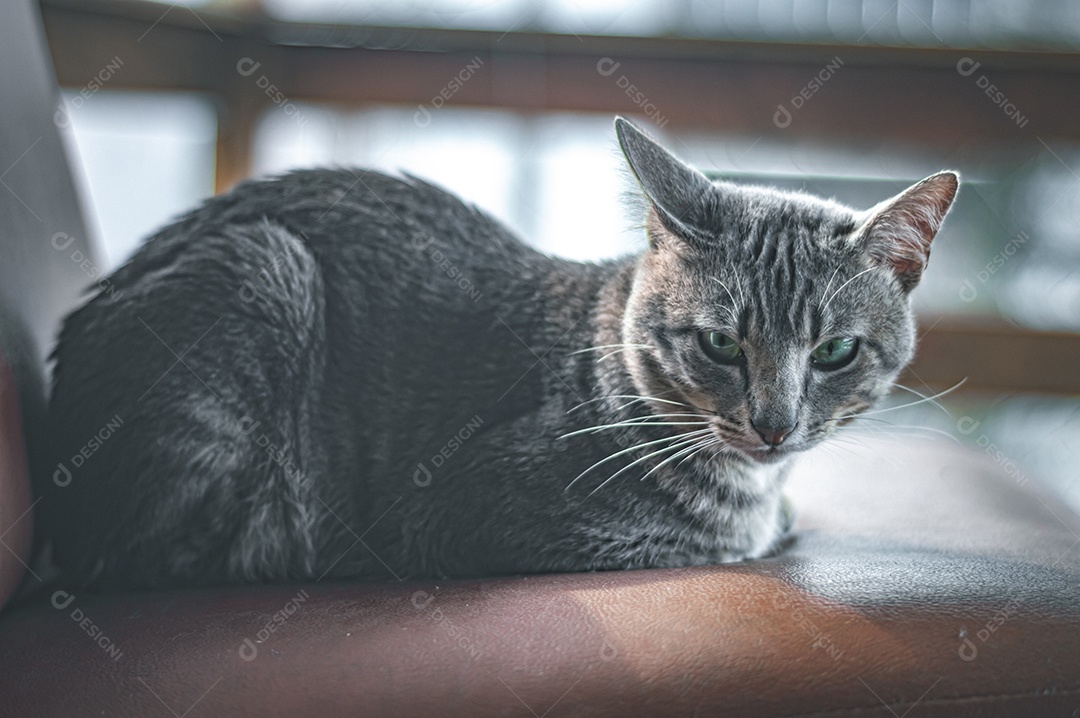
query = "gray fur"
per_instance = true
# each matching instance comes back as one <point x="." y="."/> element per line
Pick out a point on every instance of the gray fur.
<point x="350" y="375"/>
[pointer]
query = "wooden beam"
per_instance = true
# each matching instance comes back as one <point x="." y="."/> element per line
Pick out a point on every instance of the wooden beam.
<point x="996" y="358"/>
<point x="872" y="94"/>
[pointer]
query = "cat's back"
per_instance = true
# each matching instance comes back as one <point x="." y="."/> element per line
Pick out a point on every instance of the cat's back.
<point x="349" y="215"/>
<point x="339" y="316"/>
<point x="327" y="203"/>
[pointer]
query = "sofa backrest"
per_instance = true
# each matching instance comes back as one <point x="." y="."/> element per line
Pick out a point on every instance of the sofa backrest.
<point x="39" y="208"/>
<point x="44" y="253"/>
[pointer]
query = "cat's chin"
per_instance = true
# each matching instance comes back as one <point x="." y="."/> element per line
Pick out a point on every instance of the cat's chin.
<point x="773" y="455"/>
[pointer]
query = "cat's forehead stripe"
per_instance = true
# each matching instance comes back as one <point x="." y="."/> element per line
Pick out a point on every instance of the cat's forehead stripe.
<point x="781" y="263"/>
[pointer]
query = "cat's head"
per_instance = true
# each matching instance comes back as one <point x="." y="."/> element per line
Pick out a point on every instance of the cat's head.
<point x="778" y="315"/>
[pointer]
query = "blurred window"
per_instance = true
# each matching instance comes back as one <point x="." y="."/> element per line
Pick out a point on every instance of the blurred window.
<point x="142" y="158"/>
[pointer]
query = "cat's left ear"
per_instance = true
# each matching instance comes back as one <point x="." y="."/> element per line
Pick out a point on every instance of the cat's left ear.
<point x="677" y="191"/>
<point x="898" y="232"/>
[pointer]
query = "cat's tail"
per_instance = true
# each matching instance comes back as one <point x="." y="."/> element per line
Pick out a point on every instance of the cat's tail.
<point x="185" y="403"/>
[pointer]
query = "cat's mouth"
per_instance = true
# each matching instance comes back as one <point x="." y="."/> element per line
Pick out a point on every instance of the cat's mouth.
<point x="753" y="449"/>
<point x="769" y="454"/>
<point x="735" y="440"/>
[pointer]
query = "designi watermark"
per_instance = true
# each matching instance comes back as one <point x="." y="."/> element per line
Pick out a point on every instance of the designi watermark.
<point x="969" y="650"/>
<point x="248" y="650"/>
<point x="276" y="451"/>
<point x="62" y="116"/>
<point x="422" y="475"/>
<point x="62" y="599"/>
<point x="820" y="638"/>
<point x="783" y="117"/>
<point x="968" y="291"/>
<point x="247" y="67"/>
<point x="422" y="600"/>
<point x="61" y="241"/>
<point x="968" y="425"/>
<point x="424" y="243"/>
<point x="422" y="116"/>
<point x="607" y="67"/>
<point x="249" y="290"/>
<point x="62" y="474"/>
<point x="968" y="67"/>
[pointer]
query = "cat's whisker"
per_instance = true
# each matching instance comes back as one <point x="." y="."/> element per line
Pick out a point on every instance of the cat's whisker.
<point x="829" y="285"/>
<point x="738" y="281"/>
<point x="919" y="394"/>
<point x="714" y="441"/>
<point x="891" y="461"/>
<point x="602" y="347"/>
<point x="612" y="353"/>
<point x="890" y="429"/>
<point x="700" y="410"/>
<point x="730" y="295"/>
<point x="640" y="421"/>
<point x="924" y="400"/>
<point x="860" y="418"/>
<point x="839" y="446"/>
<point x="697" y="433"/>
<point x="909" y="428"/>
<point x="839" y="441"/>
<point x="844" y="434"/>
<point x="646" y="457"/>
<point x="868" y="269"/>
<point x="642" y="400"/>
<point x="636" y="398"/>
<point x="684" y="451"/>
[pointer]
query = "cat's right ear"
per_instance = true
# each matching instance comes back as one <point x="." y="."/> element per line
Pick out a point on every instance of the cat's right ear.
<point x="678" y="192"/>
<point x="898" y="232"/>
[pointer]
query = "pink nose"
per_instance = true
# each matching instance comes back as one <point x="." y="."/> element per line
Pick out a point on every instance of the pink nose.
<point x="774" y="435"/>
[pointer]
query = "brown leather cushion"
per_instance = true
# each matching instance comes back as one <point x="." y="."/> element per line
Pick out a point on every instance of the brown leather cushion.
<point x="15" y="517"/>
<point x="923" y="574"/>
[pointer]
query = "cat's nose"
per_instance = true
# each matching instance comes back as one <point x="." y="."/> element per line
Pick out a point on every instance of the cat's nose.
<point x="773" y="435"/>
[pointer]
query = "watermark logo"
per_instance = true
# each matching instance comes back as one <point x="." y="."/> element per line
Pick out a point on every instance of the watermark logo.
<point x="277" y="452"/>
<point x="62" y="475"/>
<point x="820" y="638"/>
<point x="968" y="291"/>
<point x="422" y="474"/>
<point x="62" y="116"/>
<point x="422" y="116"/>
<point x="968" y="425"/>
<point x="265" y="279"/>
<point x="246" y="67"/>
<point x="62" y="599"/>
<point x="607" y="67"/>
<point x="967" y="67"/>
<point x="248" y="650"/>
<point x="61" y="241"/>
<point x="422" y="601"/>
<point x="968" y="649"/>
<point x="783" y="117"/>
<point x="423" y="242"/>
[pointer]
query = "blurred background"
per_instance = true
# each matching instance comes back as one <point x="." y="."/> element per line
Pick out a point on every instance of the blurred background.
<point x="510" y="104"/>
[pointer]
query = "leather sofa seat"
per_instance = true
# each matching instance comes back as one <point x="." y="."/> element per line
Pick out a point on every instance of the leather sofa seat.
<point x="922" y="578"/>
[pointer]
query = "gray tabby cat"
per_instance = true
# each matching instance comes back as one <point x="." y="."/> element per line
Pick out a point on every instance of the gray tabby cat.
<point x="350" y="375"/>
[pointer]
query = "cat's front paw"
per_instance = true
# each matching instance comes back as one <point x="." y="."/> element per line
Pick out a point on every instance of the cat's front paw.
<point x="787" y="516"/>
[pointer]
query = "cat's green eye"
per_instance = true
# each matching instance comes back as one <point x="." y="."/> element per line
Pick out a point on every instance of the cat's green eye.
<point x="720" y="347"/>
<point x="834" y="353"/>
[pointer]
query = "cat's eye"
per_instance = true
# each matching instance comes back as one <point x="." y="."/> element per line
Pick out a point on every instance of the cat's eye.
<point x="720" y="347"/>
<point x="834" y="353"/>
